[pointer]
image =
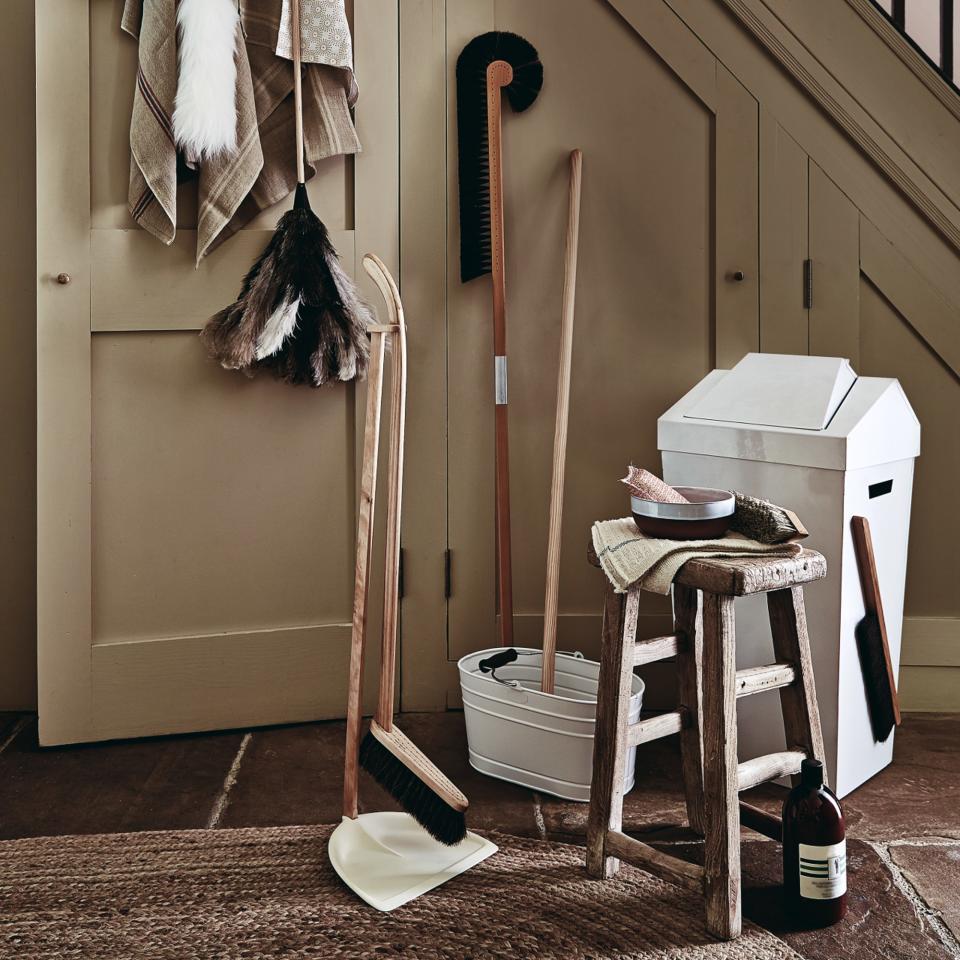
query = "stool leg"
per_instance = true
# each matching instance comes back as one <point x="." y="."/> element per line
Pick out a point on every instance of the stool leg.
<point x="687" y="623"/>
<point x="722" y="811"/>
<point x="798" y="702"/>
<point x="610" y="743"/>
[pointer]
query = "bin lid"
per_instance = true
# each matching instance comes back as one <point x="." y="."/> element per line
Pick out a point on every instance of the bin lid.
<point x="778" y="390"/>
<point x="805" y="411"/>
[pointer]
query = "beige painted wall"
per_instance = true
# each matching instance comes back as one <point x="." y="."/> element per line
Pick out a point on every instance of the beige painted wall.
<point x="884" y="336"/>
<point x="18" y="672"/>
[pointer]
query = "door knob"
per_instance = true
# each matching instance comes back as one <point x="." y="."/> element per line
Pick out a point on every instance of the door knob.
<point x="63" y="278"/>
<point x="737" y="275"/>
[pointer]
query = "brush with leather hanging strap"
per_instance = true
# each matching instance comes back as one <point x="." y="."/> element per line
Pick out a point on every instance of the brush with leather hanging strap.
<point x="873" y="648"/>
<point x="386" y="753"/>
<point x="490" y="63"/>
<point x="298" y="313"/>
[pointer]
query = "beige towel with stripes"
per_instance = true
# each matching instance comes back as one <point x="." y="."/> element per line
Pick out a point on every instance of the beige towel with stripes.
<point x="629" y="558"/>
<point x="233" y="189"/>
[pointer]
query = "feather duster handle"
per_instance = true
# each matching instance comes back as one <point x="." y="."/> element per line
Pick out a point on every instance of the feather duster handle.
<point x="205" y="109"/>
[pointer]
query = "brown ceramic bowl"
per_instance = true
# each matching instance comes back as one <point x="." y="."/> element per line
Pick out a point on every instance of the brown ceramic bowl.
<point x="708" y="514"/>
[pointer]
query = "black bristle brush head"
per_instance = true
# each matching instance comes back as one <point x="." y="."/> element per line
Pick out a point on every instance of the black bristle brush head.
<point x="432" y="812"/>
<point x="876" y="683"/>
<point x="474" y="168"/>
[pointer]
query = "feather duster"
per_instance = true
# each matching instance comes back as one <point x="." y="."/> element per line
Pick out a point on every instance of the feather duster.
<point x="298" y="313"/>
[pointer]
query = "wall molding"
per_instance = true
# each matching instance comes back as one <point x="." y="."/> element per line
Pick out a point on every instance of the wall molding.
<point x="913" y="60"/>
<point x="930" y="642"/>
<point x="775" y="41"/>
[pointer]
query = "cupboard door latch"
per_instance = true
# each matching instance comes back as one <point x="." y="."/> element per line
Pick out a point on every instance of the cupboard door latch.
<point x="807" y="284"/>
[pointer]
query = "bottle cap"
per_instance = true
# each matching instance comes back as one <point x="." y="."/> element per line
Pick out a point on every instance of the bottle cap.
<point x="811" y="773"/>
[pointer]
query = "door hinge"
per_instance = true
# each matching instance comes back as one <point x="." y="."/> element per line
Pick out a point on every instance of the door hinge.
<point x="446" y="575"/>
<point x="807" y="284"/>
<point x="400" y="575"/>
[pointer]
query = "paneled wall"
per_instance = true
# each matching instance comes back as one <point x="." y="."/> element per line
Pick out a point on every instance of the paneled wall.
<point x="18" y="359"/>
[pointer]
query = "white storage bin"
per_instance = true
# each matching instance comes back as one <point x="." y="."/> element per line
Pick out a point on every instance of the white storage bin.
<point x="809" y="434"/>
<point x="539" y="740"/>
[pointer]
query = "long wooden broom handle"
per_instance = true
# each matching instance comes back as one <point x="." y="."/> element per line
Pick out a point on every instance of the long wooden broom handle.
<point x="398" y="399"/>
<point x="297" y="85"/>
<point x="552" y="598"/>
<point x="499" y="74"/>
<point x="361" y="590"/>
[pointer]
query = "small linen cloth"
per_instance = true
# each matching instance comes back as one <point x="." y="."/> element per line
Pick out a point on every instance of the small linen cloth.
<point x="234" y="188"/>
<point x="628" y="557"/>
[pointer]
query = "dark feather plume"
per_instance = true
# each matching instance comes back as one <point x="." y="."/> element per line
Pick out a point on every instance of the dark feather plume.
<point x="299" y="272"/>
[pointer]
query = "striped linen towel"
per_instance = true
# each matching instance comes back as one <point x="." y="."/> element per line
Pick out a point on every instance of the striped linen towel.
<point x="233" y="189"/>
<point x="629" y="558"/>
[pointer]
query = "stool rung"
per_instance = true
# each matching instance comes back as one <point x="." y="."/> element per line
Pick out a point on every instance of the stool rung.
<point x="657" y="648"/>
<point x="654" y="728"/>
<point x="756" y="819"/>
<point x="671" y="869"/>
<point x="759" y="770"/>
<point x="770" y="677"/>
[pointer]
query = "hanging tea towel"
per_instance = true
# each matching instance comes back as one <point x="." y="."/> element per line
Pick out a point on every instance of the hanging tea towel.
<point x="628" y="557"/>
<point x="235" y="185"/>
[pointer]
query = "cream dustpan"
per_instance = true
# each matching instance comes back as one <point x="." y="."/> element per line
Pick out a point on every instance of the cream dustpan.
<point x="387" y="858"/>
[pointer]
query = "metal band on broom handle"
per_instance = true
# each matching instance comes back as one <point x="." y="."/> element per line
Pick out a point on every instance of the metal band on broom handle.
<point x="499" y="75"/>
<point x="552" y="598"/>
<point x="297" y="85"/>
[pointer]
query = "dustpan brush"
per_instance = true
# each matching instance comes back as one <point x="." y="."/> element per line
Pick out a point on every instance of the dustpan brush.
<point x="386" y="753"/>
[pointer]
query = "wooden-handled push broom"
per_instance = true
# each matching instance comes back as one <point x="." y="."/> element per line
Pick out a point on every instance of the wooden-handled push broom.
<point x="490" y="63"/>
<point x="386" y="752"/>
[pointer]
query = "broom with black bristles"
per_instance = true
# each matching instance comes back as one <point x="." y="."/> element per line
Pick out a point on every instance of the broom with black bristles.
<point x="488" y="64"/>
<point x="389" y="756"/>
<point x="298" y="313"/>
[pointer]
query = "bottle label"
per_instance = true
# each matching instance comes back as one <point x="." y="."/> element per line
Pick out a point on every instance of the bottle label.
<point x="823" y="871"/>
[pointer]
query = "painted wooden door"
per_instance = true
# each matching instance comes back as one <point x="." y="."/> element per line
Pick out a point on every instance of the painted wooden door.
<point x="669" y="221"/>
<point x="195" y="529"/>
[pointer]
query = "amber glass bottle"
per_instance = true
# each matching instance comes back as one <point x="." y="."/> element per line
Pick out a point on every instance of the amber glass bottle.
<point x="814" y="851"/>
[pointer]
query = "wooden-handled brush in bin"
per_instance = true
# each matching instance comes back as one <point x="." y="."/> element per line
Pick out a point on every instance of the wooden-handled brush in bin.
<point x="490" y="63"/>
<point x="386" y="753"/>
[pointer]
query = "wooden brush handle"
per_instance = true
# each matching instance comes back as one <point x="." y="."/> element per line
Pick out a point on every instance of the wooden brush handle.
<point x="870" y="584"/>
<point x="297" y="85"/>
<point x="552" y="599"/>
<point x="499" y="75"/>
<point x="361" y="589"/>
<point x="398" y="397"/>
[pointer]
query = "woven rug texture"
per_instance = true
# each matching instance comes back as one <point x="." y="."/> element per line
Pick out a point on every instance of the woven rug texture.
<point x="271" y="893"/>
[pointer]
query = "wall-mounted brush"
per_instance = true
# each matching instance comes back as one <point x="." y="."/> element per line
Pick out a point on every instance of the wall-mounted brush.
<point x="873" y="648"/>
<point x="490" y="63"/>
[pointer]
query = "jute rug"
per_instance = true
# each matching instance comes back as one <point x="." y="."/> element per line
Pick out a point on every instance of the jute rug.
<point x="271" y="893"/>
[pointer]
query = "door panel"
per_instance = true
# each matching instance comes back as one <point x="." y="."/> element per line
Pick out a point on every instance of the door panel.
<point x="783" y="240"/>
<point x="659" y="164"/>
<point x="196" y="528"/>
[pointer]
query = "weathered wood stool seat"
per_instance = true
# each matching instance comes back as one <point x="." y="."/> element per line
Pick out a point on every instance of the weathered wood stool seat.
<point x="706" y="718"/>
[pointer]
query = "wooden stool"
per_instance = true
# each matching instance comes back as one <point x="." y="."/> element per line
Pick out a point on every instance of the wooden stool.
<point x="706" y="719"/>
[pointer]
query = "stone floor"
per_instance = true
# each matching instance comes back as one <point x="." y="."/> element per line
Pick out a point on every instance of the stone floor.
<point x="904" y="825"/>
